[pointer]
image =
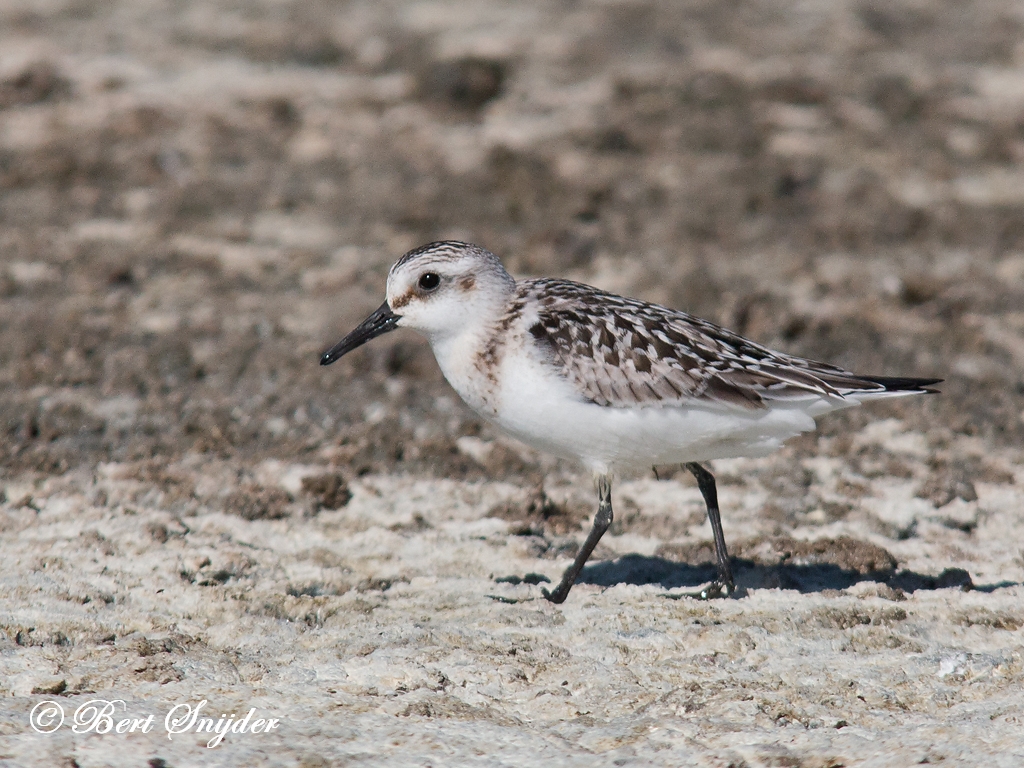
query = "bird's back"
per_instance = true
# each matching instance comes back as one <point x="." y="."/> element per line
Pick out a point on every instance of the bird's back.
<point x="625" y="353"/>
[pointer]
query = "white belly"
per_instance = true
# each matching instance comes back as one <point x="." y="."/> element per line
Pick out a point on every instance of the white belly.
<point x="543" y="410"/>
<point x="526" y="398"/>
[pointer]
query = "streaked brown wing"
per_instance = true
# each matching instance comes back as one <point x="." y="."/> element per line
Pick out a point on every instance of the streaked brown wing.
<point x="620" y="352"/>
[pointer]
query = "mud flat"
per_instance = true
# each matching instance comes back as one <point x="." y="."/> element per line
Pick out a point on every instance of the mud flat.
<point x="195" y="200"/>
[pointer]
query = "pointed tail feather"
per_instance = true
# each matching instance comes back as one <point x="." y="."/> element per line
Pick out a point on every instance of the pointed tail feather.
<point x="901" y="384"/>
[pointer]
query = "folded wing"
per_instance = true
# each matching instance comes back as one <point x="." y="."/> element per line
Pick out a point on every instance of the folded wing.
<point x="620" y="352"/>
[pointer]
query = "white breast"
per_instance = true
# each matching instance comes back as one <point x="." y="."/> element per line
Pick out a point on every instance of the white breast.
<point x="458" y="357"/>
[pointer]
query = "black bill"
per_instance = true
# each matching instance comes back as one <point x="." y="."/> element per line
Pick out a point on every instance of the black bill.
<point x="381" y="321"/>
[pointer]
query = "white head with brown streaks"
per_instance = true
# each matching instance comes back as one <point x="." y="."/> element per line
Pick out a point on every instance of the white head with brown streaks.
<point x="443" y="290"/>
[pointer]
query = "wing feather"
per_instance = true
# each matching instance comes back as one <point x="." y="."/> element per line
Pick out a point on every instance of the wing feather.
<point x="620" y="352"/>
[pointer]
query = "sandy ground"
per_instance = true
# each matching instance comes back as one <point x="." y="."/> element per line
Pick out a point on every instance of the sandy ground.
<point x="198" y="198"/>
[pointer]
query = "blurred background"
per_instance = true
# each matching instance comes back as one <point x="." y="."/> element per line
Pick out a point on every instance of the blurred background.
<point x="197" y="198"/>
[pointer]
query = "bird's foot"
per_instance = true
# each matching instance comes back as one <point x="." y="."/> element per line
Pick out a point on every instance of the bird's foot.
<point x="717" y="590"/>
<point x="557" y="596"/>
<point x="510" y="600"/>
<point x="530" y="578"/>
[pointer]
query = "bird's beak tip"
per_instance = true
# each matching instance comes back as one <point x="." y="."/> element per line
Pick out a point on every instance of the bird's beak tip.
<point x="380" y="322"/>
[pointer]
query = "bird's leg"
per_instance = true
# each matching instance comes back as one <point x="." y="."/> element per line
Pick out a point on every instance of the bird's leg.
<point x="602" y="520"/>
<point x="723" y="586"/>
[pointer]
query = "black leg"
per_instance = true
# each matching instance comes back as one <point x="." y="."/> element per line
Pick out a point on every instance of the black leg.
<point x="723" y="586"/>
<point x="602" y="520"/>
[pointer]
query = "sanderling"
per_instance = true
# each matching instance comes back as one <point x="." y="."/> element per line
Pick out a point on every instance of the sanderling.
<point x="611" y="382"/>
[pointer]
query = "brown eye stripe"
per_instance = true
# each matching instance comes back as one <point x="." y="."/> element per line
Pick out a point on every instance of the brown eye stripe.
<point x="401" y="301"/>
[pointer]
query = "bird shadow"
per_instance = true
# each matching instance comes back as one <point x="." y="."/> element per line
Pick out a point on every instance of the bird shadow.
<point x="803" y="577"/>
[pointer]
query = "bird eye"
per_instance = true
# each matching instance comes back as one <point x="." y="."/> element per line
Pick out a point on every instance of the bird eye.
<point x="429" y="281"/>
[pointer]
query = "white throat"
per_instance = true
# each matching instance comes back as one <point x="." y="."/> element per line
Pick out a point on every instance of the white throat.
<point x="462" y="358"/>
